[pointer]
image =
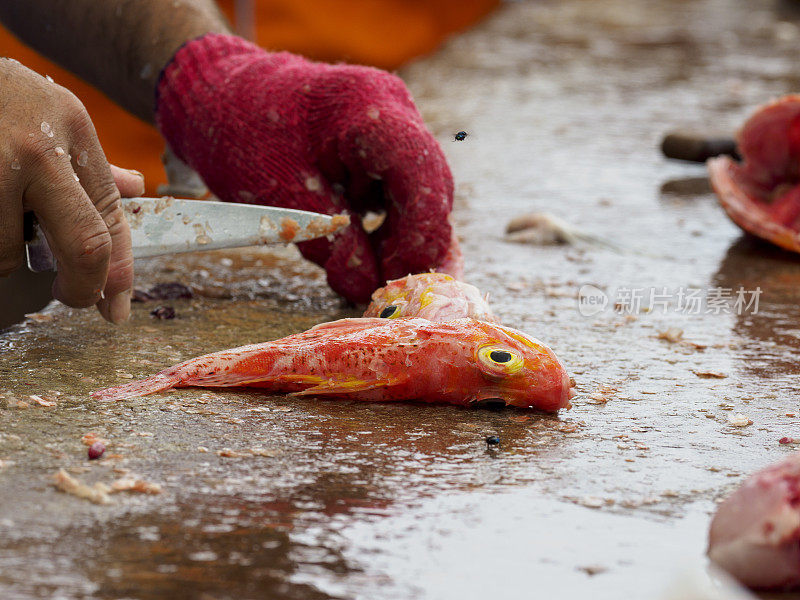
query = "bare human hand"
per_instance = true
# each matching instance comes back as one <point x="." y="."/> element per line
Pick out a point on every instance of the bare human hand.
<point x="51" y="163"/>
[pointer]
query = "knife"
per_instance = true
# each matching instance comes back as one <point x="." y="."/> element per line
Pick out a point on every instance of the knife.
<point x="170" y="226"/>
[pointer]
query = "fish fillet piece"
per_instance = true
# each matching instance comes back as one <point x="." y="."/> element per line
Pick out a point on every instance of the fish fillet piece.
<point x="755" y="534"/>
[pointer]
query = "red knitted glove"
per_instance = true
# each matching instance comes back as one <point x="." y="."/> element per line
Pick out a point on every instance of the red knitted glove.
<point x="277" y="129"/>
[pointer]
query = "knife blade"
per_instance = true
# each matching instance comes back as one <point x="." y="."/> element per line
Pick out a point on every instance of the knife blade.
<point x="172" y="226"/>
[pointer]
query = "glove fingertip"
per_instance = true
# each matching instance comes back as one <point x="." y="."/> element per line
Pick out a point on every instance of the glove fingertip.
<point x="453" y="262"/>
<point x="417" y="247"/>
<point x="352" y="267"/>
<point x="349" y="262"/>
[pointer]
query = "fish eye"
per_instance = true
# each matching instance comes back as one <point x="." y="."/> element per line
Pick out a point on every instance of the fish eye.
<point x="500" y="362"/>
<point x="500" y="356"/>
<point x="460" y="136"/>
<point x="389" y="312"/>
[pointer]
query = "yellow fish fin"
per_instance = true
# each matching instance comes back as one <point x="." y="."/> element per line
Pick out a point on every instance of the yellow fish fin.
<point x="348" y="386"/>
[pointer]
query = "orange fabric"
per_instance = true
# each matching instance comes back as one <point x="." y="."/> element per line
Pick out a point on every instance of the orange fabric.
<point x="383" y="33"/>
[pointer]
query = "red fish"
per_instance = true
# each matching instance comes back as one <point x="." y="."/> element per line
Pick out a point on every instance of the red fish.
<point x="762" y="194"/>
<point x="462" y="362"/>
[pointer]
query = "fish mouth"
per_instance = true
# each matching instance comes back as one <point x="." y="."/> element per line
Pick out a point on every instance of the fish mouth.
<point x="490" y="403"/>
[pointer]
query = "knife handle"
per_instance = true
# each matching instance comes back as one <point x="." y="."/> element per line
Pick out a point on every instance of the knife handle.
<point x="37" y="250"/>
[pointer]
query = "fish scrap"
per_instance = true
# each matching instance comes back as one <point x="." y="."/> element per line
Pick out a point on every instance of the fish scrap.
<point x="755" y="534"/>
<point x="761" y="194"/>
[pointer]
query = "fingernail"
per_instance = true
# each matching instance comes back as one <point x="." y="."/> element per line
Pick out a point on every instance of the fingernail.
<point x="119" y="307"/>
<point x="141" y="180"/>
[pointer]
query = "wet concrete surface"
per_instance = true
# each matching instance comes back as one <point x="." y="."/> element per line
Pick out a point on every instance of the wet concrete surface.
<point x="565" y="103"/>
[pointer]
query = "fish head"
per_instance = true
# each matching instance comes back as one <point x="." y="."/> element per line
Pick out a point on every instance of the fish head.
<point x="436" y="297"/>
<point x="391" y="301"/>
<point x="521" y="370"/>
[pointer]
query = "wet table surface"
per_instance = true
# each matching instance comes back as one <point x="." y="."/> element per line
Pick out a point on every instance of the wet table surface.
<point x="565" y="104"/>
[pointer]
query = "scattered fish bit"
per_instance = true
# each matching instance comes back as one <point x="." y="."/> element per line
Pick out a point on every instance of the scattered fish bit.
<point x="163" y="312"/>
<point x="569" y="427"/>
<point x="41" y="401"/>
<point x="131" y="484"/>
<point x="46" y="129"/>
<point x="603" y="394"/>
<point x="83" y="158"/>
<point x="372" y="220"/>
<point x="592" y="570"/>
<point x="229" y="453"/>
<point x="739" y="420"/>
<point x="591" y="502"/>
<point x="15" y="165"/>
<point x="540" y="229"/>
<point x="264" y="452"/>
<point x="710" y="374"/>
<point x="673" y="335"/>
<point x="60" y="151"/>
<point x="545" y="229"/>
<point x="96" y="450"/>
<point x="289" y="229"/>
<point x="639" y="502"/>
<point x="97" y="494"/>
<point x="91" y="438"/>
<point x="788" y="441"/>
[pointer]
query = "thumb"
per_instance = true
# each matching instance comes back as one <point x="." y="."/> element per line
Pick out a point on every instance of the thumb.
<point x="130" y="183"/>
